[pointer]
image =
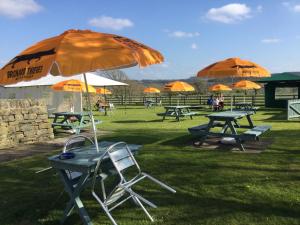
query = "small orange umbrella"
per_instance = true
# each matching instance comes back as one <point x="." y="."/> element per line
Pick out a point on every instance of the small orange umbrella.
<point x="220" y="87"/>
<point x="178" y="86"/>
<point x="151" y="90"/>
<point x="246" y="85"/>
<point x="103" y="91"/>
<point x="72" y="86"/>
<point x="233" y="67"/>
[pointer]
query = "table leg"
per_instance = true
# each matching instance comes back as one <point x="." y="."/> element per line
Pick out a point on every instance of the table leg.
<point x="233" y="131"/>
<point x="250" y="121"/>
<point x="177" y="113"/>
<point x="75" y="200"/>
<point x="167" y="110"/>
<point x="209" y="126"/>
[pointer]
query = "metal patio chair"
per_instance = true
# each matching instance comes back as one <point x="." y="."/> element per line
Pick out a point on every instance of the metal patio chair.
<point x="122" y="159"/>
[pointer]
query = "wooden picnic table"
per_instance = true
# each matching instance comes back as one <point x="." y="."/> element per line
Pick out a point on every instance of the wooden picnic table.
<point x="177" y="112"/>
<point x="72" y="120"/>
<point x="84" y="162"/>
<point x="228" y="121"/>
<point x="245" y="106"/>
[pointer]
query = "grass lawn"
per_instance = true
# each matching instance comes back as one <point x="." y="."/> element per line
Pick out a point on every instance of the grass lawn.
<point x="213" y="187"/>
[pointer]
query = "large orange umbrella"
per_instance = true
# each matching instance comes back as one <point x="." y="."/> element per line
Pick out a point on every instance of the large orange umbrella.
<point x="151" y="90"/>
<point x="75" y="52"/>
<point x="103" y="91"/>
<point x="246" y="85"/>
<point x="219" y="87"/>
<point x="178" y="86"/>
<point x="72" y="86"/>
<point x="233" y="67"/>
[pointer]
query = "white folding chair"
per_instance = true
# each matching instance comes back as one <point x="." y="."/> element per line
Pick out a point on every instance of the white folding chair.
<point x="122" y="159"/>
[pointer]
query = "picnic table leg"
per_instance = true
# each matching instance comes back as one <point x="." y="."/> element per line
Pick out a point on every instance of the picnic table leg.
<point x="236" y="123"/>
<point x="177" y="113"/>
<point x="167" y="110"/>
<point x="209" y="126"/>
<point x="188" y="110"/>
<point x="74" y="194"/>
<point x="233" y="131"/>
<point x="225" y="128"/>
<point x="250" y="121"/>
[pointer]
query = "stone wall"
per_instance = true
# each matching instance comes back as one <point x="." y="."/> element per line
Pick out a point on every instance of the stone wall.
<point x="23" y="121"/>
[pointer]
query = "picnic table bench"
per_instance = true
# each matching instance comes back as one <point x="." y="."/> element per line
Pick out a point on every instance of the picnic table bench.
<point x="228" y="121"/>
<point x="177" y="112"/>
<point x="83" y="163"/>
<point x="73" y="121"/>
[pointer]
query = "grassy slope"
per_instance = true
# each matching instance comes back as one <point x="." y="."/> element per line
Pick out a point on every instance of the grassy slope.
<point x="214" y="187"/>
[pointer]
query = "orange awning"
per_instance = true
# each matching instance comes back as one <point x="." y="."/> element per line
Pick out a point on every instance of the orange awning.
<point x="151" y="90"/>
<point x="219" y="87"/>
<point x="178" y="86"/>
<point x="246" y="85"/>
<point x="75" y="52"/>
<point x="72" y="86"/>
<point x="233" y="67"/>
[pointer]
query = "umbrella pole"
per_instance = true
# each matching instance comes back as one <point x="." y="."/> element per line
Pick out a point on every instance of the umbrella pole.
<point x="90" y="111"/>
<point x="231" y="100"/>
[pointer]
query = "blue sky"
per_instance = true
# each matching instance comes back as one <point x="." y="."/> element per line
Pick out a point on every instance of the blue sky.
<point x="190" y="34"/>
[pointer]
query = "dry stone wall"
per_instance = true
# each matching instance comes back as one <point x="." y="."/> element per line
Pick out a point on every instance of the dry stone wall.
<point x="23" y="121"/>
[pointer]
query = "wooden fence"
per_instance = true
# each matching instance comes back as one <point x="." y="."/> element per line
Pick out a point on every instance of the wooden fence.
<point x="257" y="100"/>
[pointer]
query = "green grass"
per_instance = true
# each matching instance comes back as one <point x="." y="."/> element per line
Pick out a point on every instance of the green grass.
<point x="213" y="187"/>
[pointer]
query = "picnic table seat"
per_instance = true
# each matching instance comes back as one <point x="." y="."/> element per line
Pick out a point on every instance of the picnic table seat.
<point x="198" y="130"/>
<point x="254" y="133"/>
<point x="76" y="127"/>
<point x="173" y="114"/>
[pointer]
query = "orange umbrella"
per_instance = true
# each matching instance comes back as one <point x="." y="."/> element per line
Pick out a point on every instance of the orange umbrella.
<point x="73" y="86"/>
<point x="178" y="86"/>
<point x="151" y="90"/>
<point x="75" y="52"/>
<point x="246" y="85"/>
<point x="103" y="91"/>
<point x="220" y="87"/>
<point x="233" y="67"/>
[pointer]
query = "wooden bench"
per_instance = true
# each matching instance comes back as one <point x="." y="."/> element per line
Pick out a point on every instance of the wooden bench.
<point x="254" y="133"/>
<point x="201" y="129"/>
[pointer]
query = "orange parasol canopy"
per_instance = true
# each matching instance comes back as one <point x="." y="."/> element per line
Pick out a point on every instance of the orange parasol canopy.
<point x="178" y="86"/>
<point x="103" y="91"/>
<point x="72" y="86"/>
<point x="75" y="52"/>
<point x="233" y="67"/>
<point x="151" y="90"/>
<point x="246" y="85"/>
<point x="220" y="87"/>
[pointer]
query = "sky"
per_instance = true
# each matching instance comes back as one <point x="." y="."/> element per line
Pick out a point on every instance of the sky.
<point x="190" y="34"/>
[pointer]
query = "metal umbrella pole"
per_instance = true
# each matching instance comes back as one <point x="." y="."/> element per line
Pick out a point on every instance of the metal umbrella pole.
<point x="90" y="111"/>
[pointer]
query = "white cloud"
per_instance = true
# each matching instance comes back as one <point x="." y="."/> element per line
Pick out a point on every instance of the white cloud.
<point x="194" y="46"/>
<point x="259" y="8"/>
<point x="18" y="8"/>
<point x="182" y="34"/>
<point x="294" y="8"/>
<point x="107" y="22"/>
<point x="297" y="8"/>
<point x="270" y="40"/>
<point x="230" y="13"/>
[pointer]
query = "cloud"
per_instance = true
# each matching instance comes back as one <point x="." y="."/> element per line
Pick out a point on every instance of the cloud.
<point x="182" y="34"/>
<point x="230" y="13"/>
<point x="294" y="8"/>
<point x="194" y="46"/>
<point x="259" y="8"/>
<point x="270" y="40"/>
<point x="17" y="9"/>
<point x="107" y="22"/>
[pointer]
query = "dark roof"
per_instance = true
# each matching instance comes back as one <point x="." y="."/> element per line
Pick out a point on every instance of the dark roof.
<point x="279" y="77"/>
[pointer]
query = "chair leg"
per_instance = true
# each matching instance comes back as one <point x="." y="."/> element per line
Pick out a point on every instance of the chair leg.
<point x="144" y="209"/>
<point x="160" y="183"/>
<point x="134" y="194"/>
<point x="104" y="208"/>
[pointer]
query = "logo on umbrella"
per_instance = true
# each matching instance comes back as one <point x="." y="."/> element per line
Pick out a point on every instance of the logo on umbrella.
<point x="29" y="57"/>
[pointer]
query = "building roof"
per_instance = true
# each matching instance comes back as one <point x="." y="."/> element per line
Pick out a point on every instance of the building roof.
<point x="281" y="77"/>
<point x="92" y="79"/>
